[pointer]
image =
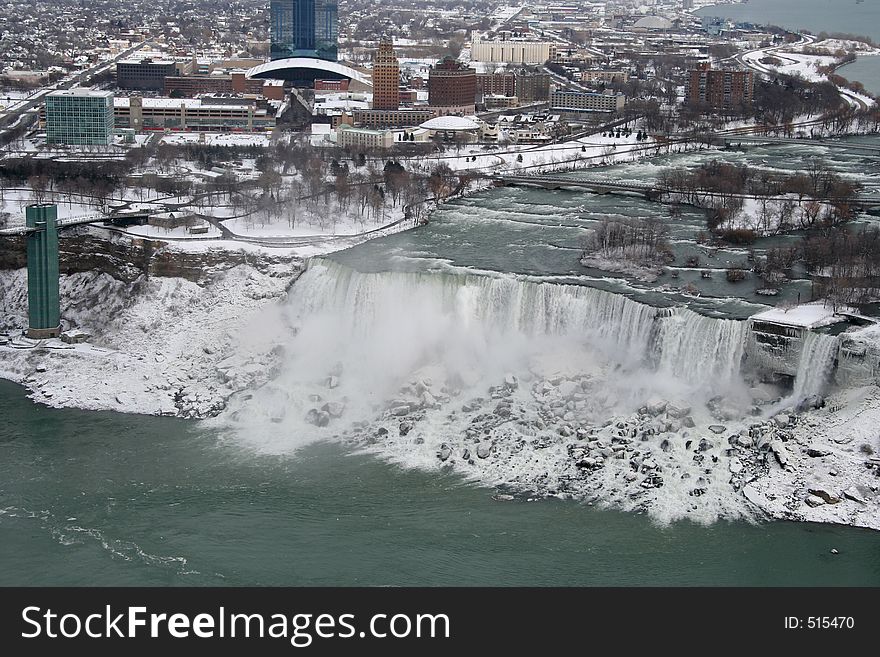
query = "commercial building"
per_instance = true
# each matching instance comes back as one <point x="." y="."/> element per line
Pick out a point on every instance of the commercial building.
<point x="386" y="78"/>
<point x="209" y="113"/>
<point x="144" y="74"/>
<point x="303" y="28"/>
<point x="79" y="117"/>
<point x="452" y="87"/>
<point x="512" y="51"/>
<point x="577" y="101"/>
<point x="606" y="77"/>
<point x="364" y="138"/>
<point x="401" y="118"/>
<point x="496" y="84"/>
<point x="188" y="86"/>
<point x="331" y="85"/>
<point x="719" y="89"/>
<point x="532" y="87"/>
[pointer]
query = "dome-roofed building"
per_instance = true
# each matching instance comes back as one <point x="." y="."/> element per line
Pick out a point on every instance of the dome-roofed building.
<point x="450" y="124"/>
<point x="306" y="70"/>
<point x="653" y="23"/>
<point x="453" y="128"/>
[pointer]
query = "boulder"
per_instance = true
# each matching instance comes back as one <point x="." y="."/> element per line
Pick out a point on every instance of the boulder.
<point x="400" y="411"/>
<point x="567" y="388"/>
<point x="318" y="418"/>
<point x="688" y="422"/>
<point x="735" y="466"/>
<point x="656" y="406"/>
<point x="828" y="497"/>
<point x="405" y="428"/>
<point x="444" y="453"/>
<point x="817" y="453"/>
<point x="677" y="411"/>
<point x="781" y="420"/>
<point x="511" y="382"/>
<point x="484" y="449"/>
<point x="778" y="448"/>
<point x="754" y="496"/>
<point x="856" y="495"/>
<point x="335" y="409"/>
<point x="717" y="428"/>
<point x="814" y="501"/>
<point x="428" y="400"/>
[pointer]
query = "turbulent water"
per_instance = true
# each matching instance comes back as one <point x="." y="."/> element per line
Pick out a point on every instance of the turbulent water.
<point x="375" y="331"/>
<point x="815" y="365"/>
<point x="498" y="365"/>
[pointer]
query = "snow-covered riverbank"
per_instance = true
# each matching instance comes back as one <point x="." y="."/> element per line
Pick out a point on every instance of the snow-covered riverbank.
<point x="155" y="346"/>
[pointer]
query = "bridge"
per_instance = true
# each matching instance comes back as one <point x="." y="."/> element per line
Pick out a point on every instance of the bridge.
<point x="596" y="185"/>
<point x="67" y="222"/>
<point x="827" y="143"/>
<point x="653" y="192"/>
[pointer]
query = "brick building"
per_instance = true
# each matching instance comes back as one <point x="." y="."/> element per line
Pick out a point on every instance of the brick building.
<point x="452" y="86"/>
<point x="386" y="78"/>
<point x="719" y="89"/>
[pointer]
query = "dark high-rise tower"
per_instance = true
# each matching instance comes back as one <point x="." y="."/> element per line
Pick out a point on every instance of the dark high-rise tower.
<point x="303" y="28"/>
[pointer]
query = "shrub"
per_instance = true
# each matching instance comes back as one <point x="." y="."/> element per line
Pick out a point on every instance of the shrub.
<point x="735" y="275"/>
<point x="738" y="235"/>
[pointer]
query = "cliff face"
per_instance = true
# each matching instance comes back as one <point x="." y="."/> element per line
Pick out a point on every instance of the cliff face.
<point x="127" y="259"/>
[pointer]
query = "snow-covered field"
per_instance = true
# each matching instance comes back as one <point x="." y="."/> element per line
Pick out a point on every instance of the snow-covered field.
<point x="218" y="138"/>
<point x="791" y="63"/>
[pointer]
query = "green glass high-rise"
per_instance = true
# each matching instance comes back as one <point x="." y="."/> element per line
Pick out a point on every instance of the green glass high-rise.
<point x="303" y="28"/>
<point x="79" y="117"/>
<point x="44" y="304"/>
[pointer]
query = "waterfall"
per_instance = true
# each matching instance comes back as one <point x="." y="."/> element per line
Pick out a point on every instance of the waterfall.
<point x="443" y="308"/>
<point x="815" y="365"/>
<point x="698" y="348"/>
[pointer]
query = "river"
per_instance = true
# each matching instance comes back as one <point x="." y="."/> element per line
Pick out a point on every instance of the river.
<point x="109" y="499"/>
<point x="849" y="16"/>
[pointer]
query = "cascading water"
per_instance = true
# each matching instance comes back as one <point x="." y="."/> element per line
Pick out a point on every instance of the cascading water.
<point x="698" y="348"/>
<point x="497" y="373"/>
<point x="415" y="312"/>
<point x="815" y="365"/>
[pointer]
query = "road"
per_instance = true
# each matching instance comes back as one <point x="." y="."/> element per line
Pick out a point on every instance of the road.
<point x="14" y="115"/>
<point x="743" y="60"/>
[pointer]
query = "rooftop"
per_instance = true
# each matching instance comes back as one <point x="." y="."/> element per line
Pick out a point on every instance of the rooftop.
<point x="80" y="92"/>
<point x="806" y="315"/>
<point x="450" y="123"/>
